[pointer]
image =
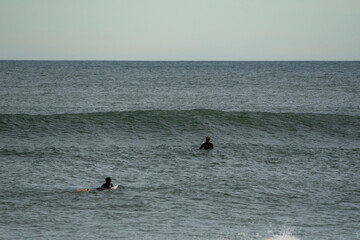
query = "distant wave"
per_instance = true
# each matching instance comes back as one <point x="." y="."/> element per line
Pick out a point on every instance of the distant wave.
<point x="184" y="120"/>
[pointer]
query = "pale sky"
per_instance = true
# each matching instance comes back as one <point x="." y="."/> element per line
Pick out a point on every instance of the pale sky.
<point x="235" y="30"/>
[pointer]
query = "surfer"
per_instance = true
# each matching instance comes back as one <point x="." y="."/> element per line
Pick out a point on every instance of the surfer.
<point x="207" y="144"/>
<point x="106" y="185"/>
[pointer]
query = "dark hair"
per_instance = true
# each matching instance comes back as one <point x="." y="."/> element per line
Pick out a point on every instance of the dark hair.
<point x="108" y="180"/>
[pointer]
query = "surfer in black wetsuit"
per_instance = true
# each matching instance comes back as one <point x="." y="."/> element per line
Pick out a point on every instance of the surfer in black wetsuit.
<point x="207" y="144"/>
<point x="106" y="185"/>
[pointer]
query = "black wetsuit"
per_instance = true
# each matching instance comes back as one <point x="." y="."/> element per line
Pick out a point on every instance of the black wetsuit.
<point x="105" y="186"/>
<point x="207" y="145"/>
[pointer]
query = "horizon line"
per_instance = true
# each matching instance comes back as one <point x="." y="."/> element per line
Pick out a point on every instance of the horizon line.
<point x="119" y="60"/>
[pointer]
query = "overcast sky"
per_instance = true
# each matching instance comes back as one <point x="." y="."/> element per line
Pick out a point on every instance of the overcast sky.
<point x="180" y="29"/>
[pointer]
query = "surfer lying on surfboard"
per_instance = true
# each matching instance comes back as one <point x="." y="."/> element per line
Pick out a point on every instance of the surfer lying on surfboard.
<point x="107" y="185"/>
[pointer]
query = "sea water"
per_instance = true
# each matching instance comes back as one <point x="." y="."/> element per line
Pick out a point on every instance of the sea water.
<point x="285" y="163"/>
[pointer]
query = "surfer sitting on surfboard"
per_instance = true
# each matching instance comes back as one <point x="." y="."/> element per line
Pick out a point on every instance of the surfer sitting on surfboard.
<point x="207" y="144"/>
<point x="106" y="185"/>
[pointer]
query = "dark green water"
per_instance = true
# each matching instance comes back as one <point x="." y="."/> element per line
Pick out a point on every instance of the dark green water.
<point x="285" y="163"/>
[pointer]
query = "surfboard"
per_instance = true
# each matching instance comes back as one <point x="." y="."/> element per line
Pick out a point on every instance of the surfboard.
<point x="112" y="188"/>
<point x="99" y="189"/>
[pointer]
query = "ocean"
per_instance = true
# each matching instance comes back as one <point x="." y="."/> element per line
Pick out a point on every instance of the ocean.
<point x="285" y="163"/>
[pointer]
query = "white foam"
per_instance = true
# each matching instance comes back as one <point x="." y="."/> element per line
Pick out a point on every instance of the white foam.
<point x="283" y="236"/>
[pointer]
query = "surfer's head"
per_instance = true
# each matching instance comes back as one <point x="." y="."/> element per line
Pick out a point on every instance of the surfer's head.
<point x="207" y="139"/>
<point x="108" y="180"/>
